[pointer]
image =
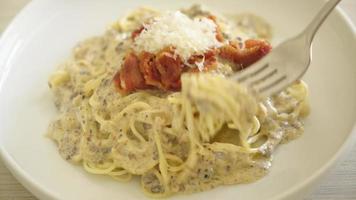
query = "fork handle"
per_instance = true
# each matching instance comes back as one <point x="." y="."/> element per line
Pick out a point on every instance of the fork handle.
<point x="318" y="20"/>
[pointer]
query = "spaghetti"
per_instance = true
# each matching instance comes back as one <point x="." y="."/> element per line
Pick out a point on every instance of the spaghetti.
<point x="210" y="132"/>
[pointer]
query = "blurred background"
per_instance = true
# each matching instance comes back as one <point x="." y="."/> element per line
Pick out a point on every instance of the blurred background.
<point x="8" y="9"/>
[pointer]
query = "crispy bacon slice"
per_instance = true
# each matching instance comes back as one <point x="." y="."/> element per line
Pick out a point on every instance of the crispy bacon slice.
<point x="170" y="68"/>
<point x="149" y="69"/>
<point x="137" y="32"/>
<point x="253" y="51"/>
<point x="129" y="78"/>
<point x="162" y="71"/>
<point x="210" y="62"/>
<point x="219" y="35"/>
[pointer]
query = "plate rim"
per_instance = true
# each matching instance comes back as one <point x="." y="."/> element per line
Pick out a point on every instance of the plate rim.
<point x="346" y="146"/>
<point x="41" y="191"/>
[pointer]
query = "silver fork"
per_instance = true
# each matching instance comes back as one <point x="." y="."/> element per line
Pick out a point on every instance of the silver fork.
<point x="287" y="62"/>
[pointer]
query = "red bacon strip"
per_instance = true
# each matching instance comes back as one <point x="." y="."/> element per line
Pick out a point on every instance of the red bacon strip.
<point x="170" y="69"/>
<point x="162" y="71"/>
<point x="210" y="62"/>
<point x="129" y="78"/>
<point x="149" y="70"/>
<point x="219" y="35"/>
<point x="137" y="32"/>
<point x="253" y="51"/>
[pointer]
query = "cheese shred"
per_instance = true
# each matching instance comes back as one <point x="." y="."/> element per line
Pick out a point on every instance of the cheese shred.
<point x="187" y="36"/>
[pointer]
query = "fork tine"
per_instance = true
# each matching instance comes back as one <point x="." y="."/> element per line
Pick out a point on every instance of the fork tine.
<point x="261" y="77"/>
<point x="251" y="71"/>
<point x="272" y="85"/>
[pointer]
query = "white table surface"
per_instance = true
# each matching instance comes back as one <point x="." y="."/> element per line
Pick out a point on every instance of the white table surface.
<point x="339" y="185"/>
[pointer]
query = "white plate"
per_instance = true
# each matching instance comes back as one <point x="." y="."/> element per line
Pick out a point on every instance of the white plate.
<point x="45" y="31"/>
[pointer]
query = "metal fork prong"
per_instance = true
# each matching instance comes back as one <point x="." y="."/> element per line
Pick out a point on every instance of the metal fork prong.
<point x="262" y="77"/>
<point x="287" y="62"/>
<point x="250" y="72"/>
<point x="274" y="90"/>
<point x="271" y="84"/>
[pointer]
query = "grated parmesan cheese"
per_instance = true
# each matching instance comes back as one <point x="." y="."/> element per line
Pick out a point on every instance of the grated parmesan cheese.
<point x="188" y="36"/>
